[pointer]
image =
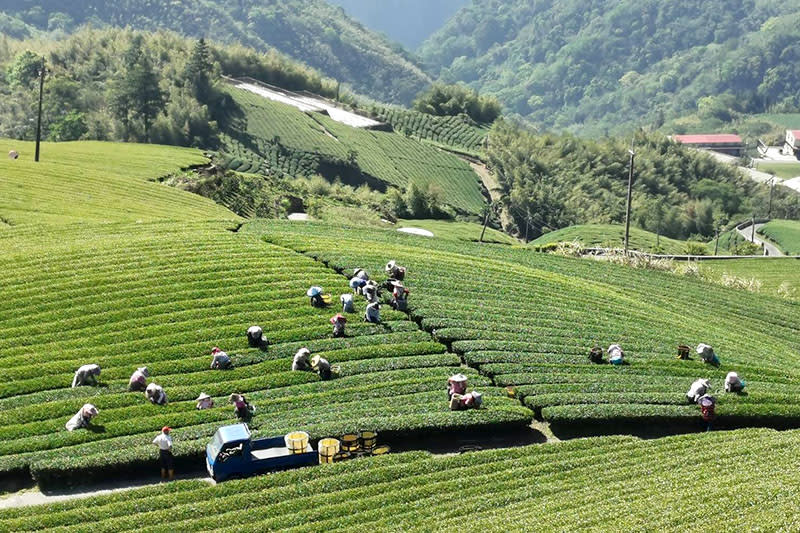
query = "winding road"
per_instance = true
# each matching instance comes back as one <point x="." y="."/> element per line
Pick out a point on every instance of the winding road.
<point x="747" y="232"/>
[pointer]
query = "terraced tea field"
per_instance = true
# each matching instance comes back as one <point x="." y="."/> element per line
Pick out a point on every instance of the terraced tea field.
<point x="528" y="321"/>
<point x="778" y="276"/>
<point x="784" y="233"/>
<point x="457" y="131"/>
<point x="746" y="481"/>
<point x="274" y="136"/>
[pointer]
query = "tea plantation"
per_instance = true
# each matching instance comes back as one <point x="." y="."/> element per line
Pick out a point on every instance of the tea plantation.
<point x="784" y="233"/>
<point x="528" y="321"/>
<point x="727" y="481"/>
<point x="612" y="236"/>
<point x="102" y="265"/>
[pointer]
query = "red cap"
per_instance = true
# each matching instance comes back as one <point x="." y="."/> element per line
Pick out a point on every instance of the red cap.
<point x="166" y="429"/>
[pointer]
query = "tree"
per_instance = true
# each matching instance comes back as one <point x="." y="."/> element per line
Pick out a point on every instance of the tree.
<point x="198" y="71"/>
<point x="25" y="69"/>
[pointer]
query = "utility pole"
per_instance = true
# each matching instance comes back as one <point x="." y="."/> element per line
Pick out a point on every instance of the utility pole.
<point x="527" y="223"/>
<point x="716" y="244"/>
<point x="485" y="223"/>
<point x="39" y="120"/>
<point x="771" y="189"/>
<point x="630" y="193"/>
<point x="753" y="229"/>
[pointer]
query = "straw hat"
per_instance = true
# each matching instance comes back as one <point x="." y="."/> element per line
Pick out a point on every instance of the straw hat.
<point x="315" y="361"/>
<point x="203" y="396"/>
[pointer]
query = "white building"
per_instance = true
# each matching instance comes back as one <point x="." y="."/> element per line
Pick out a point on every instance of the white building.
<point x="792" y="144"/>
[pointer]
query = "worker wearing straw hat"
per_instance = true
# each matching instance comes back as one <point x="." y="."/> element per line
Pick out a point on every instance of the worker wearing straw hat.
<point x="322" y="367"/>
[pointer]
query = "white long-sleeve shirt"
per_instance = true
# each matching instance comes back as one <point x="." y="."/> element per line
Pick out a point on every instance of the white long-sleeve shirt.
<point x="698" y="389"/>
<point x="163" y="441"/>
<point x="732" y="380"/>
<point x="220" y="360"/>
<point x="84" y="373"/>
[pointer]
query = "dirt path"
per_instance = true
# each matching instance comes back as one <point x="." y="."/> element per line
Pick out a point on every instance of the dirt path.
<point x="493" y="186"/>
<point x="30" y="497"/>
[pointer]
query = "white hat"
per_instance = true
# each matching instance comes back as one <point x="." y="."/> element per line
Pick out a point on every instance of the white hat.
<point x="390" y="265"/>
<point x="303" y="351"/>
<point x="203" y="396"/>
<point x="702" y="348"/>
<point x="458" y="378"/>
<point x="143" y="370"/>
<point x="313" y="291"/>
<point x="315" y="360"/>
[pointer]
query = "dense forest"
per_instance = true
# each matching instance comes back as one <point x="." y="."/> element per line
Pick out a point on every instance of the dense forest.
<point x="408" y="22"/>
<point x="598" y="66"/>
<point x="312" y="31"/>
<point x="131" y="86"/>
<point x="552" y="181"/>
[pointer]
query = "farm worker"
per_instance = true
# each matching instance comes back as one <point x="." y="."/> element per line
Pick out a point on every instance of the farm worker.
<point x="164" y="443"/>
<point x="315" y="293"/>
<point x="220" y="360"/>
<point x="357" y="284"/>
<point x="82" y="418"/>
<point x="399" y="297"/>
<point x="456" y="384"/>
<point x="243" y="409"/>
<point x="371" y="291"/>
<point x="338" y="322"/>
<point x="733" y="383"/>
<point x="360" y="273"/>
<point x="155" y="393"/>
<point x="322" y="367"/>
<point x="348" y="306"/>
<point x="473" y="400"/>
<point x="86" y="375"/>
<point x="615" y="354"/>
<point x="395" y="271"/>
<point x="697" y="390"/>
<point x="707" y="354"/>
<point x="204" y="401"/>
<point x="255" y="336"/>
<point x="596" y="355"/>
<point x="138" y="381"/>
<point x="300" y="361"/>
<point x="707" y="407"/>
<point x="373" y="313"/>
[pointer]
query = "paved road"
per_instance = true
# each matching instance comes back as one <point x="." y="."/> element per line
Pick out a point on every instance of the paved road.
<point x="771" y="249"/>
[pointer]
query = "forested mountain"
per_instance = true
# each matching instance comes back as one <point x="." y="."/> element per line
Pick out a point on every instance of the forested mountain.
<point x="312" y="31"/>
<point x="593" y="66"/>
<point x="408" y="22"/>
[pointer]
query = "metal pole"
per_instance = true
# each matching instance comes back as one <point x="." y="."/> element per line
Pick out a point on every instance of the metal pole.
<point x="39" y="120"/>
<point x="753" y="229"/>
<point x="771" y="189"/>
<point x="716" y="244"/>
<point x="628" y="206"/>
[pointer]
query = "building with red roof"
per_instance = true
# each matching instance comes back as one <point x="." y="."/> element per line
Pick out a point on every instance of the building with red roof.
<point x="725" y="143"/>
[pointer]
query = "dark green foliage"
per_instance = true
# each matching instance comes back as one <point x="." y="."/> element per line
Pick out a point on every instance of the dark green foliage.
<point x="453" y="100"/>
<point x="600" y="65"/>
<point x="25" y="69"/>
<point x="562" y="181"/>
<point x="311" y="31"/>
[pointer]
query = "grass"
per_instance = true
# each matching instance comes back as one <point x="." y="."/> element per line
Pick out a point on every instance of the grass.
<point x="527" y="319"/>
<point x="612" y="236"/>
<point x="783" y="171"/>
<point x="605" y="484"/>
<point x="90" y="182"/>
<point x="272" y="136"/>
<point x="454" y="131"/>
<point x="778" y="276"/>
<point x="784" y="233"/>
<point x="789" y="121"/>
<point x="459" y="231"/>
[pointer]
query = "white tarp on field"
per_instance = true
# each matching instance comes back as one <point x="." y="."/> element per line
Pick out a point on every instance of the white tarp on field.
<point x="417" y="231"/>
<point x="309" y="104"/>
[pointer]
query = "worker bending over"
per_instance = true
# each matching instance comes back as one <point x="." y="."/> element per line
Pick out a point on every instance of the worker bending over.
<point x="596" y="355"/>
<point x="338" y="322"/>
<point x="471" y="400"/>
<point x="348" y="305"/>
<point x="138" y="381"/>
<point x="155" y="393"/>
<point x="395" y="271"/>
<point x="357" y="284"/>
<point x="220" y="360"/>
<point x="255" y="337"/>
<point x="164" y="443"/>
<point x="697" y="390"/>
<point x="82" y="418"/>
<point x="204" y="401"/>
<point x="86" y="375"/>
<point x="300" y="361"/>
<point x="244" y="411"/>
<point x="399" y="300"/>
<point x="707" y="354"/>
<point x="373" y="313"/>
<point x="371" y="292"/>
<point x="733" y="383"/>
<point x="322" y="367"/>
<point x="315" y="293"/>
<point x="361" y="274"/>
<point x="615" y="355"/>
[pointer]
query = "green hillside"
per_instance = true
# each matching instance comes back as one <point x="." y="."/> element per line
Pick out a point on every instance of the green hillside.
<point x="784" y="233"/>
<point x="598" y="66"/>
<point x="311" y="31"/>
<point x="273" y="136"/>
<point x="778" y="276"/>
<point x="459" y="231"/>
<point x="612" y="236"/>
<point x="610" y="484"/>
<point x="538" y="342"/>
